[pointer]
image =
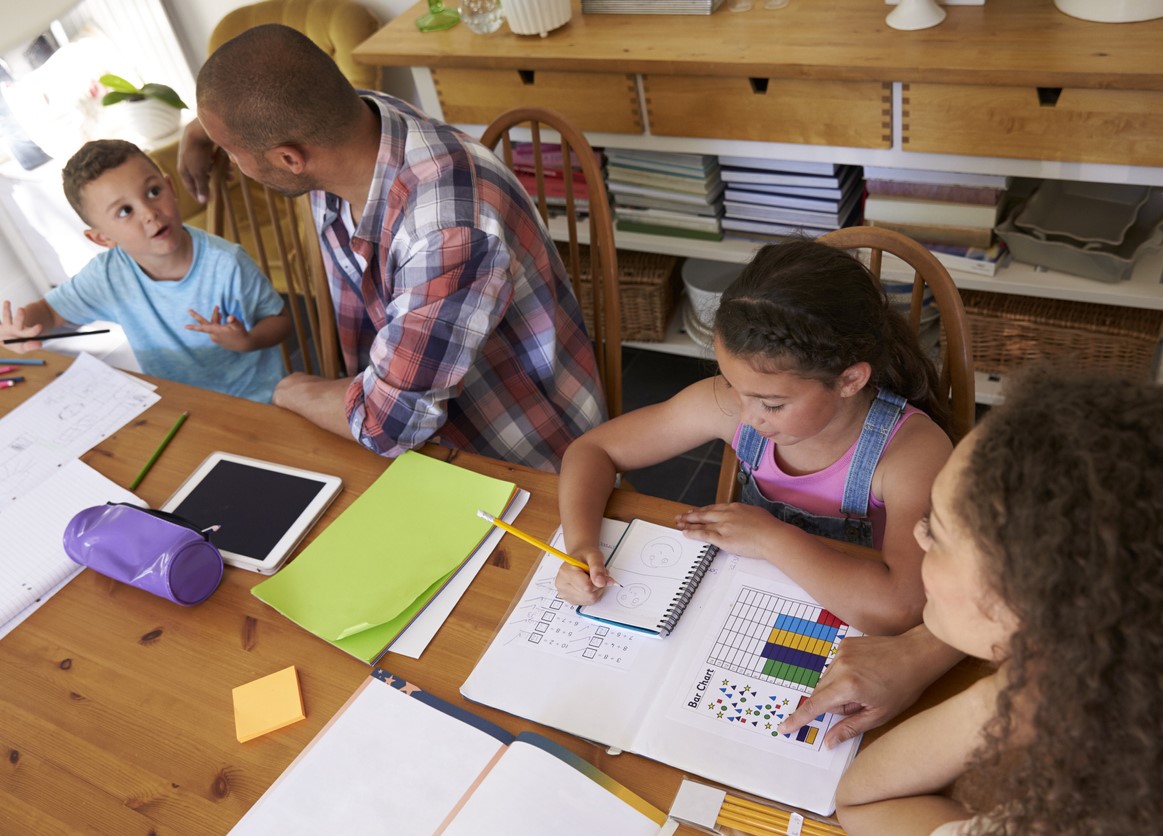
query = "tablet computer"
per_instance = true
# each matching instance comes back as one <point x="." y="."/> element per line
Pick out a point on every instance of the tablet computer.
<point x="262" y="509"/>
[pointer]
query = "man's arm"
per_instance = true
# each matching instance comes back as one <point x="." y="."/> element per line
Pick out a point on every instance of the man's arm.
<point x="195" y="158"/>
<point x="317" y="399"/>
<point x="446" y="302"/>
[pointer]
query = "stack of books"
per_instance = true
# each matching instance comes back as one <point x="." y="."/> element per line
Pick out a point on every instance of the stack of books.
<point x="650" y="7"/>
<point x="951" y="213"/>
<point x="553" y="175"/>
<point x="770" y="199"/>
<point x="666" y="194"/>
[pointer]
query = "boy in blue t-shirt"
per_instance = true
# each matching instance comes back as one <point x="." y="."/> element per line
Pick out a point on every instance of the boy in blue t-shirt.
<point x="155" y="275"/>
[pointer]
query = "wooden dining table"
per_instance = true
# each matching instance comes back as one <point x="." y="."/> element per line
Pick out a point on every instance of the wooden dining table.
<point x="115" y="705"/>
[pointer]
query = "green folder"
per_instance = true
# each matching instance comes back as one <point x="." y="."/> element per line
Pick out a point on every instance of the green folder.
<point x="363" y="580"/>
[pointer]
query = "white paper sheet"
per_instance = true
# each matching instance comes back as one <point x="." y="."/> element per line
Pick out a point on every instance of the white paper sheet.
<point x="66" y="418"/>
<point x="387" y="763"/>
<point x="33" y="562"/>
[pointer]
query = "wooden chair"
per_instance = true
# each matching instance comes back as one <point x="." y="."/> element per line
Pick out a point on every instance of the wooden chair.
<point x="956" y="366"/>
<point x="295" y="257"/>
<point x="607" y="330"/>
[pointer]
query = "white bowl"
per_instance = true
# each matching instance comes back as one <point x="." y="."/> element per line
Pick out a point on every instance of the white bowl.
<point x="536" y="17"/>
<point x="705" y="282"/>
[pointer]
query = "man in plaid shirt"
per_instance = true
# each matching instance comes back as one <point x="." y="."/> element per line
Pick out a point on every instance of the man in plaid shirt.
<point x="452" y="302"/>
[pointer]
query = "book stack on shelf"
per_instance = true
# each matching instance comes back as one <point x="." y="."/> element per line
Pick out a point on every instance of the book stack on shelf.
<point x="952" y="213"/>
<point x="666" y="194"/>
<point x="553" y="174"/>
<point x="770" y="199"/>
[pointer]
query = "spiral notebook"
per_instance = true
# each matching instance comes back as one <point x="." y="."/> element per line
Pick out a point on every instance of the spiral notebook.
<point x="659" y="570"/>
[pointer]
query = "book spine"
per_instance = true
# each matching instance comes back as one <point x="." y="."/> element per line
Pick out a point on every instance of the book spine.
<point x="960" y="236"/>
<point x="690" y="584"/>
<point x="935" y="191"/>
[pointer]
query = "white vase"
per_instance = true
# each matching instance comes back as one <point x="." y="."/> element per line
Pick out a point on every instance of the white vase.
<point x="915" y="14"/>
<point x="536" y="17"/>
<point x="149" y="118"/>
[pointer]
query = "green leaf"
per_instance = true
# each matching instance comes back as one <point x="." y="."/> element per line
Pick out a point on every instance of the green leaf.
<point x="116" y="82"/>
<point x="164" y="93"/>
<point x="115" y="96"/>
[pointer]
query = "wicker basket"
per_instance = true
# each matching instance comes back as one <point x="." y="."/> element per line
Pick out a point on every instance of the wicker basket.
<point x="1008" y="331"/>
<point x="649" y="285"/>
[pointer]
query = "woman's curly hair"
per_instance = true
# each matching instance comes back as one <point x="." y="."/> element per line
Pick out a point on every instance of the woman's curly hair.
<point x="1064" y="492"/>
<point x="815" y="310"/>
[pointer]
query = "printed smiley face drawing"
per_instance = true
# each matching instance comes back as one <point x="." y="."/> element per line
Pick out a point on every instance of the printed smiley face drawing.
<point x="633" y="595"/>
<point x="661" y="553"/>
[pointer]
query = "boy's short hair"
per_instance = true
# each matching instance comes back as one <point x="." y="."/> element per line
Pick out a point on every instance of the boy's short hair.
<point x="93" y="160"/>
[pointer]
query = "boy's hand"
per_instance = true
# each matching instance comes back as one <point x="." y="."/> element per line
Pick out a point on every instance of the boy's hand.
<point x="230" y="334"/>
<point x="12" y="326"/>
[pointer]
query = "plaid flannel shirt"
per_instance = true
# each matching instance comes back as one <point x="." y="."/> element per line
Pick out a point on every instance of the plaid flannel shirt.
<point x="451" y="298"/>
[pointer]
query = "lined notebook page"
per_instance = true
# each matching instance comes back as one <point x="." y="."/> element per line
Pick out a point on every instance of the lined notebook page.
<point x="33" y="561"/>
<point x="657" y="568"/>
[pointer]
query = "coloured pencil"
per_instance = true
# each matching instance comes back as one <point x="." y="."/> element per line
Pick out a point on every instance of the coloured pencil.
<point x="160" y="448"/>
<point x="9" y="382"/>
<point x="533" y="541"/>
<point x="19" y="361"/>
<point x="43" y="337"/>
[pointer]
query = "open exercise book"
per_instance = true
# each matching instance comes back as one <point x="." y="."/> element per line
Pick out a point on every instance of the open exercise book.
<point x="707" y="699"/>
<point x="398" y="760"/>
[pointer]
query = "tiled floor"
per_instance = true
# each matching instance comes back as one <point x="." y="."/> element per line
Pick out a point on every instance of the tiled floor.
<point x="649" y="377"/>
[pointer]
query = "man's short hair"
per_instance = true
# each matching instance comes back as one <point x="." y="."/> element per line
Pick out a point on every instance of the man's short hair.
<point x="273" y="86"/>
<point x="93" y="160"/>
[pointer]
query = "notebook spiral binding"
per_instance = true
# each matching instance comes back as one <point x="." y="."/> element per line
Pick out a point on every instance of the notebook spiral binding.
<point x="690" y="583"/>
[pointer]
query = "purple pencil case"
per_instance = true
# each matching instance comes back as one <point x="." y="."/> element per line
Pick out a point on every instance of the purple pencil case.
<point x="152" y="550"/>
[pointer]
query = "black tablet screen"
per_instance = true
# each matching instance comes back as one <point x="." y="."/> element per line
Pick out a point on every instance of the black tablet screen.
<point x="254" y="507"/>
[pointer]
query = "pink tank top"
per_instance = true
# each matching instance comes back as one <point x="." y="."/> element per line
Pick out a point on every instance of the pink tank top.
<point x="820" y="493"/>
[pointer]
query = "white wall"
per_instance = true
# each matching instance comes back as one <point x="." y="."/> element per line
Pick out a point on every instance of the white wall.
<point x="195" y="21"/>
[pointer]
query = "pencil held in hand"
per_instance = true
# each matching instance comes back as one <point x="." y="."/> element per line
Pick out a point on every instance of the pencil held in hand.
<point x="541" y="544"/>
<point x="43" y="337"/>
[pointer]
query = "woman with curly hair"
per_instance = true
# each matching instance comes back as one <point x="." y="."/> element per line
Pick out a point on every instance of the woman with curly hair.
<point x="1043" y="554"/>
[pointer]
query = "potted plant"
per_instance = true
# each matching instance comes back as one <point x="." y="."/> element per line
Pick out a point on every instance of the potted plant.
<point x="151" y="110"/>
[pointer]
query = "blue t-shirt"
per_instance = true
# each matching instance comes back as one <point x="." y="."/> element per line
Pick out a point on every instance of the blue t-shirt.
<point x="154" y="314"/>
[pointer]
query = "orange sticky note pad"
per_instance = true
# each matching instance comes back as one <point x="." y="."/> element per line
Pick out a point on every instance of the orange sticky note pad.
<point x="267" y="704"/>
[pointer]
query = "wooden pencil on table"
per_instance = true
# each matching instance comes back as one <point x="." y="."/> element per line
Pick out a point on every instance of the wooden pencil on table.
<point x="160" y="449"/>
<point x="745" y="809"/>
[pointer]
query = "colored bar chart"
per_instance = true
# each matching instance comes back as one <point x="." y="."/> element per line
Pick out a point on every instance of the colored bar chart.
<point x="777" y="639"/>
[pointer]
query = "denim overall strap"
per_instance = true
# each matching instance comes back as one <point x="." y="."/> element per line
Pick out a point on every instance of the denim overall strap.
<point x="749" y="452"/>
<point x="882" y="416"/>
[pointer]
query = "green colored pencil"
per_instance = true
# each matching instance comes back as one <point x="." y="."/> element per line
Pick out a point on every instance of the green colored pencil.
<point x="160" y="448"/>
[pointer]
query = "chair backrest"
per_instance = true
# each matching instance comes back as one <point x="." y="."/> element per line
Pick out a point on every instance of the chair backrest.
<point x="603" y="258"/>
<point x="335" y="26"/>
<point x="956" y="362"/>
<point x="281" y="238"/>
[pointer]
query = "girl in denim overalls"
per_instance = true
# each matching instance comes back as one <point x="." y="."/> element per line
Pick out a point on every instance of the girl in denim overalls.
<point x="827" y="397"/>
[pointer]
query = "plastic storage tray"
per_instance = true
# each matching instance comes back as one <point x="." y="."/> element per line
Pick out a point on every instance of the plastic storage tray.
<point x="1103" y="263"/>
<point x="1098" y="213"/>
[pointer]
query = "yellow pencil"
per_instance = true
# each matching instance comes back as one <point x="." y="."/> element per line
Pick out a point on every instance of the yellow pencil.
<point x="533" y="541"/>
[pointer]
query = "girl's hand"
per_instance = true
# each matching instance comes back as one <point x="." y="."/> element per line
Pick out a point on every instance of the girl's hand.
<point x="12" y="326"/>
<point x="578" y="587"/>
<point x="742" y="529"/>
<point x="230" y="334"/>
